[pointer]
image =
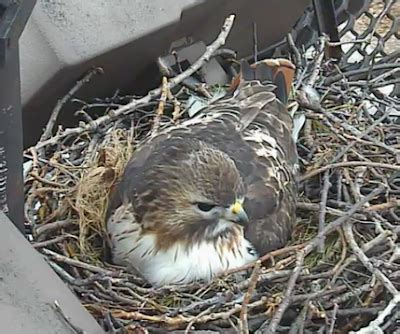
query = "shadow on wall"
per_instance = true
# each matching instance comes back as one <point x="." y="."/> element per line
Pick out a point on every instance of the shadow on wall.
<point x="132" y="69"/>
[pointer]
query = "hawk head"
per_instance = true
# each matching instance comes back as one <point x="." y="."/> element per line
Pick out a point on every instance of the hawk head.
<point x="190" y="191"/>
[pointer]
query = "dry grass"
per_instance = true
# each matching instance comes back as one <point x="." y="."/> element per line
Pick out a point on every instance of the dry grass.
<point x="95" y="184"/>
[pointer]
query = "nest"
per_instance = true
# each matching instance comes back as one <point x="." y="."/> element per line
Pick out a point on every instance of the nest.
<point x="341" y="269"/>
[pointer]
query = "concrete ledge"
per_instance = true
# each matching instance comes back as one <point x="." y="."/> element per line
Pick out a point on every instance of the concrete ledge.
<point x="29" y="287"/>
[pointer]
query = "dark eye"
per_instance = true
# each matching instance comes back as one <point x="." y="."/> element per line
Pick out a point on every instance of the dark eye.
<point x="205" y="206"/>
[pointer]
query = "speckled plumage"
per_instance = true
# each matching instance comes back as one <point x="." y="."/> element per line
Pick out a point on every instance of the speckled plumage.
<point x="239" y="148"/>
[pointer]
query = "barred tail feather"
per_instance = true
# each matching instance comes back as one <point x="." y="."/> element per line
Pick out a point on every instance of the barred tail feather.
<point x="279" y="72"/>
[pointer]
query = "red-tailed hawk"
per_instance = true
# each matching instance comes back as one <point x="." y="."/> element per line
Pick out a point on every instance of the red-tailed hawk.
<point x="214" y="192"/>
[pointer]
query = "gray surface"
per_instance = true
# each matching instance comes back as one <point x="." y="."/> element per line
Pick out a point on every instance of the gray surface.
<point x="11" y="182"/>
<point x="28" y="289"/>
<point x="64" y="39"/>
<point x="60" y="34"/>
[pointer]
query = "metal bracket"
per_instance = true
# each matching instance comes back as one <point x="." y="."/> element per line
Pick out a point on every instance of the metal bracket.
<point x="13" y="18"/>
<point x="327" y="24"/>
<point x="183" y="54"/>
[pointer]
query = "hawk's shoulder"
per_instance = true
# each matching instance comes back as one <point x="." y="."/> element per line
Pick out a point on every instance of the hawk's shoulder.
<point x="251" y="125"/>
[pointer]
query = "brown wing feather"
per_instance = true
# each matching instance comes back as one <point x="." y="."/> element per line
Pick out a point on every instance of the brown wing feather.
<point x="254" y="128"/>
<point x="265" y="153"/>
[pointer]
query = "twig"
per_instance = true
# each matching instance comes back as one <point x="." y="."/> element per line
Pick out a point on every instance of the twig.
<point x="333" y="319"/>
<point x="374" y="83"/>
<point x="298" y="324"/>
<point x="318" y="62"/>
<point x="377" y="67"/>
<point x="268" y="256"/>
<point x="203" y="313"/>
<point x="76" y="263"/>
<point x="355" y="41"/>
<point x="182" y="319"/>
<point x="272" y="327"/>
<point x="329" y="115"/>
<point x="67" y="319"/>
<point x="131" y="106"/>
<point x="384" y="206"/>
<point x="374" y="325"/>
<point x="50" y="242"/>
<point x="347" y="164"/>
<point x="244" y="326"/>
<point x="177" y="107"/>
<point x="331" y="211"/>
<point x="53" y="117"/>
<point x="295" y="51"/>
<point x="255" y="42"/>
<point x="61" y="272"/>
<point x="361" y="135"/>
<point x="366" y="262"/>
<point x="52" y="227"/>
<point x="160" y="109"/>
<point x="322" y="205"/>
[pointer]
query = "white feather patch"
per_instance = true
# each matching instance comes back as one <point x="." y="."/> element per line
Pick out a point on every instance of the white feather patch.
<point x="177" y="264"/>
<point x="259" y="137"/>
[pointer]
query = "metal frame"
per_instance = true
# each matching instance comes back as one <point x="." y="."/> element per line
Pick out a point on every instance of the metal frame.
<point x="328" y="24"/>
<point x="13" y="18"/>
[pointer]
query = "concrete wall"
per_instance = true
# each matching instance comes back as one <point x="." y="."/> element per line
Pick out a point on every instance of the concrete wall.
<point x="29" y="288"/>
<point x="63" y="39"/>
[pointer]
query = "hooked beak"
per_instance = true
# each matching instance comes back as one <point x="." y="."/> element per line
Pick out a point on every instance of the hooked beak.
<point x="236" y="213"/>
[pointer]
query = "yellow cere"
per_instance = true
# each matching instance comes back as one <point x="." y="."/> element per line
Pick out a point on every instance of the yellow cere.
<point x="237" y="207"/>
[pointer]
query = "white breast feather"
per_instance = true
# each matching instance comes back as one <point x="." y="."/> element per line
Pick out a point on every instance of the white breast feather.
<point x="177" y="265"/>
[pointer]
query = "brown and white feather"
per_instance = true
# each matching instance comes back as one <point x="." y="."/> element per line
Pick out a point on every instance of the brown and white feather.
<point x="246" y="151"/>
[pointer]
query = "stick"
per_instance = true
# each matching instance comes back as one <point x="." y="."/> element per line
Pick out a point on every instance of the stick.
<point x="255" y="42"/>
<point x="310" y="246"/>
<point x="366" y="261"/>
<point x="373" y="326"/>
<point x="50" y="241"/>
<point x="361" y="135"/>
<point x="53" y="117"/>
<point x="76" y="263"/>
<point x="244" y="326"/>
<point x="289" y="290"/>
<point x="295" y="51"/>
<point x="329" y="210"/>
<point x="318" y="63"/>
<point x="333" y="319"/>
<point x="322" y="205"/>
<point x="384" y="206"/>
<point x="298" y="325"/>
<point x="52" y="227"/>
<point x="131" y="106"/>
<point x="67" y="319"/>
<point x="268" y="256"/>
<point x="329" y="115"/>
<point x="347" y="164"/>
<point x="161" y="105"/>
